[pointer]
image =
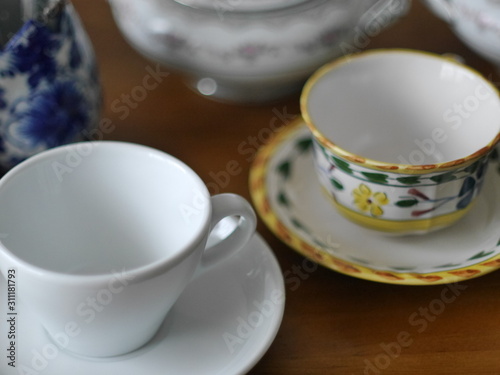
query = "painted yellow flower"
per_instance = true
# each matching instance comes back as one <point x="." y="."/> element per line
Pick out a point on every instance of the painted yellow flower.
<point x="367" y="201"/>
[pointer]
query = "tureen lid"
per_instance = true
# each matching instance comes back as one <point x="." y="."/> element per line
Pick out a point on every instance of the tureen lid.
<point x="240" y="5"/>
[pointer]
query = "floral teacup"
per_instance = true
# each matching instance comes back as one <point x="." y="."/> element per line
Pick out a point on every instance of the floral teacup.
<point x="402" y="138"/>
<point x="49" y="89"/>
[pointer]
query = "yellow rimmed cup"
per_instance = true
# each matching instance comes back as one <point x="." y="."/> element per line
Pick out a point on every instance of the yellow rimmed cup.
<point x="402" y="138"/>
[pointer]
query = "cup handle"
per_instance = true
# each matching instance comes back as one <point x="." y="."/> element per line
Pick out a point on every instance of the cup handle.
<point x="224" y="205"/>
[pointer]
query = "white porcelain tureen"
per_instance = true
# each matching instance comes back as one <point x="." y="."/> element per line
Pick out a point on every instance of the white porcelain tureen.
<point x="251" y="50"/>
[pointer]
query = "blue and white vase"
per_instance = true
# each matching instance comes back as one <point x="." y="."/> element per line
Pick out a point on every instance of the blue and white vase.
<point x="50" y="92"/>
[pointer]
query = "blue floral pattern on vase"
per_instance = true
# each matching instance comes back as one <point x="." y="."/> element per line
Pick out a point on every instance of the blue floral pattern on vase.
<point x="48" y="118"/>
<point x="49" y="88"/>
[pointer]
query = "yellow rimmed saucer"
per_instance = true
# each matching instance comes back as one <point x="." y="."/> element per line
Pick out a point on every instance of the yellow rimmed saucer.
<point x="288" y="197"/>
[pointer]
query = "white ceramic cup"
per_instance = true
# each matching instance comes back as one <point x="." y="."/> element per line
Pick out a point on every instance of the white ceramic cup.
<point x="105" y="236"/>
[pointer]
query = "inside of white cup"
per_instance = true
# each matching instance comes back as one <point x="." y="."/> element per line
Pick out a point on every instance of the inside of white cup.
<point x="405" y="108"/>
<point x="101" y="208"/>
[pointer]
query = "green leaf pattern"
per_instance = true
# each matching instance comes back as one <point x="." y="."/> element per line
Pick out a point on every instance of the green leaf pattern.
<point x="396" y="179"/>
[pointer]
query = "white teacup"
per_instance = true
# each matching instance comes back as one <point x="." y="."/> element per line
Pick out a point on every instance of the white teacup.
<point x="105" y="236"/>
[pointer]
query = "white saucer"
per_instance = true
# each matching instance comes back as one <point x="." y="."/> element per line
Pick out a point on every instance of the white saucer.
<point x="288" y="197"/>
<point x="223" y="323"/>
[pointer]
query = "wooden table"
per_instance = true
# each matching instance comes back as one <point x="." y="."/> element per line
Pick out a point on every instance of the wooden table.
<point x="333" y="324"/>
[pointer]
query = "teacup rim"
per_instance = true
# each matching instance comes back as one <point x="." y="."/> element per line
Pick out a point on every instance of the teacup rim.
<point x="139" y="273"/>
<point x="381" y="165"/>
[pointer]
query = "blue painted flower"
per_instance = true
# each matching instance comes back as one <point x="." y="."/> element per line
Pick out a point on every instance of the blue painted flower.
<point x="32" y="52"/>
<point x="50" y="117"/>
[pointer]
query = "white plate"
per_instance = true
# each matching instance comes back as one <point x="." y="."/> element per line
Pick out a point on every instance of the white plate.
<point x="223" y="323"/>
<point x="288" y="197"/>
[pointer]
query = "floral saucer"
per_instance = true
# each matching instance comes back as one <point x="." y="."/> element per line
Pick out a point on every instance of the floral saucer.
<point x="222" y="324"/>
<point x="289" y="199"/>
